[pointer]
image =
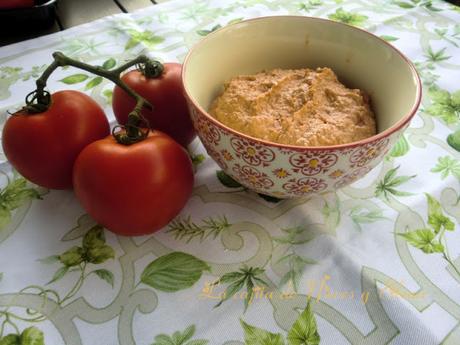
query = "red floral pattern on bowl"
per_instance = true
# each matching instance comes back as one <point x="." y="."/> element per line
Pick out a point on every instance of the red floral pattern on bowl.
<point x="288" y="171"/>
<point x="363" y="154"/>
<point x="252" y="178"/>
<point x="252" y="153"/>
<point x="305" y="185"/>
<point x="313" y="163"/>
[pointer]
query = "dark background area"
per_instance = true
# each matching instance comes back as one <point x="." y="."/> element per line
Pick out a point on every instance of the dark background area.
<point x="56" y="15"/>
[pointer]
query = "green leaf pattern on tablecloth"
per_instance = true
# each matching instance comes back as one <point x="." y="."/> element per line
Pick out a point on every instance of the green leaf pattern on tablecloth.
<point x="447" y="166"/>
<point x="296" y="263"/>
<point x="303" y="332"/>
<point x="109" y="64"/>
<point x="93" y="250"/>
<point x="246" y="278"/>
<point x="360" y="216"/>
<point x="147" y="38"/>
<point x="444" y="105"/>
<point x="400" y="148"/>
<point x="74" y="259"/>
<point x="258" y="336"/>
<point x="432" y="240"/>
<point x="453" y="140"/>
<point x="351" y="18"/>
<point x="409" y="4"/>
<point x="29" y="336"/>
<point x="186" y="229"/>
<point x="372" y="258"/>
<point x="179" y="338"/>
<point x="11" y="75"/>
<point x="387" y="186"/>
<point x="310" y="5"/>
<point x="173" y="272"/>
<point x="75" y="78"/>
<point x="15" y="194"/>
<point x="304" y="329"/>
<point x="15" y="199"/>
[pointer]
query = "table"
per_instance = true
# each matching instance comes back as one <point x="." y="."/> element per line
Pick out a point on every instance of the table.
<point x="374" y="263"/>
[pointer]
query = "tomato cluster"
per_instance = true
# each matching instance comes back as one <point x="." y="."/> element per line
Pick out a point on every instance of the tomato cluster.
<point x="131" y="189"/>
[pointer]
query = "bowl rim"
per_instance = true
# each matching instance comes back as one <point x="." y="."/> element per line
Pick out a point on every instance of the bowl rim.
<point x="392" y="129"/>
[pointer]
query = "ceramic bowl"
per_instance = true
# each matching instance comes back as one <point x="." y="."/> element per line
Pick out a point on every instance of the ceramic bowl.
<point x="360" y="59"/>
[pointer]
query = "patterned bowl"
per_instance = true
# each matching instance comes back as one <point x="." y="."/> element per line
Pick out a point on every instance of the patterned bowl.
<point x="360" y="59"/>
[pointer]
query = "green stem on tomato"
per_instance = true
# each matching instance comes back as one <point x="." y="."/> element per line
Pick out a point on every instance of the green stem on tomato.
<point x="133" y="130"/>
<point x="39" y="100"/>
<point x="61" y="60"/>
<point x="152" y="69"/>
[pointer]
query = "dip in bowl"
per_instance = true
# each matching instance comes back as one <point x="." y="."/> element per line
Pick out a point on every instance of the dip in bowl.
<point x="360" y="60"/>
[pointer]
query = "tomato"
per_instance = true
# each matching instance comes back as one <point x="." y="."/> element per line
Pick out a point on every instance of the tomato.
<point x="16" y="3"/>
<point x="133" y="189"/>
<point x="170" y="114"/>
<point x="43" y="147"/>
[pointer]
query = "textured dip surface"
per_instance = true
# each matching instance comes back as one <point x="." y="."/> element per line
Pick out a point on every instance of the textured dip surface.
<point x="302" y="107"/>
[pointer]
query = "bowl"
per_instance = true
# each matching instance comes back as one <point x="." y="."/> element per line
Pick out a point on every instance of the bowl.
<point x="359" y="58"/>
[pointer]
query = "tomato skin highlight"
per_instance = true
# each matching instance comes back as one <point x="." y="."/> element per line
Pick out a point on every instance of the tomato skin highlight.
<point x="170" y="112"/>
<point x="43" y="147"/>
<point x="134" y="189"/>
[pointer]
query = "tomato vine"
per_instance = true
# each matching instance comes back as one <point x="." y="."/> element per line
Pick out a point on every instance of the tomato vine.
<point x="39" y="100"/>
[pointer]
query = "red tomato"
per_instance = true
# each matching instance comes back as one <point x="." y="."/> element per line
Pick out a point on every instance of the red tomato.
<point x="170" y="114"/>
<point x="16" y="3"/>
<point x="133" y="189"/>
<point x="43" y="147"/>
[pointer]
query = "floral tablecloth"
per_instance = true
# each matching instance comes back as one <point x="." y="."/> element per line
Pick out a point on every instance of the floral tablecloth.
<point x="374" y="263"/>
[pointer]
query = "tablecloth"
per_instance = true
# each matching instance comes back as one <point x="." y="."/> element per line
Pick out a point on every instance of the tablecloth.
<point x="376" y="262"/>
